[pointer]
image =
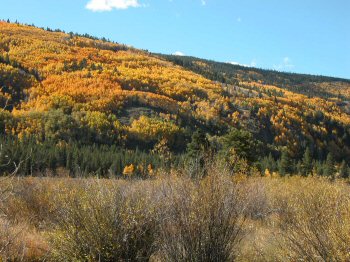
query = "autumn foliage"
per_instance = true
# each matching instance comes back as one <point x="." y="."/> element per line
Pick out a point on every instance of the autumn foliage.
<point x="65" y="87"/>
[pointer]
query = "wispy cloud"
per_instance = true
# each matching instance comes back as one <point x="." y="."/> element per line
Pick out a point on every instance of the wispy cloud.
<point x="109" y="5"/>
<point x="179" y="53"/>
<point x="285" y="65"/>
<point x="239" y="19"/>
<point x="253" y="63"/>
<point x="237" y="63"/>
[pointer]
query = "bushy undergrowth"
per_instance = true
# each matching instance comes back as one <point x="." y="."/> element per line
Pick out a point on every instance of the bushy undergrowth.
<point x="219" y="217"/>
<point x="315" y="220"/>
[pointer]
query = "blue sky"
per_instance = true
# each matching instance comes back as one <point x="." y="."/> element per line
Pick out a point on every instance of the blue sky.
<point x="304" y="36"/>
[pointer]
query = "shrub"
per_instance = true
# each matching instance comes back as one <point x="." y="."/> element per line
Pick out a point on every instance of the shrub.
<point x="203" y="220"/>
<point x="105" y="224"/>
<point x="315" y="221"/>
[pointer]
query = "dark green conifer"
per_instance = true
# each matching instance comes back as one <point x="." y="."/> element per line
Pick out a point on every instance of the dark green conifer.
<point x="284" y="163"/>
<point x="307" y="163"/>
<point x="329" y="166"/>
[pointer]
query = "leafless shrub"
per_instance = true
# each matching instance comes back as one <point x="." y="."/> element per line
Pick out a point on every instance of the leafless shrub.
<point x="103" y="224"/>
<point x="218" y="217"/>
<point x="257" y="203"/>
<point x="202" y="220"/>
<point x="13" y="235"/>
<point x="19" y="242"/>
<point x="32" y="201"/>
<point x="10" y="246"/>
<point x="315" y="221"/>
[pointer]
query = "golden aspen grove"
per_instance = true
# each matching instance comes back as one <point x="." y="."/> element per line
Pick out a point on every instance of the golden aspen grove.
<point x="95" y="85"/>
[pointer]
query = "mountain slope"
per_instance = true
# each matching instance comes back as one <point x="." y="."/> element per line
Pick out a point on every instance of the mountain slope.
<point x="310" y="85"/>
<point x="65" y="87"/>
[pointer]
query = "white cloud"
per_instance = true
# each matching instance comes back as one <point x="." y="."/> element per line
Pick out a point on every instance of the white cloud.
<point x="236" y="63"/>
<point x="108" y="5"/>
<point x="178" y="53"/>
<point x="252" y="63"/>
<point x="239" y="19"/>
<point x="285" y="65"/>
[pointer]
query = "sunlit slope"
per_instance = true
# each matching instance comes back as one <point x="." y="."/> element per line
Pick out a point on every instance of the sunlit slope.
<point x="320" y="86"/>
<point x="287" y="109"/>
<point x="68" y="87"/>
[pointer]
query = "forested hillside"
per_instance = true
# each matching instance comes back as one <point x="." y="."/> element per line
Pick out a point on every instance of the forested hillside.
<point x="67" y="92"/>
<point x="228" y="73"/>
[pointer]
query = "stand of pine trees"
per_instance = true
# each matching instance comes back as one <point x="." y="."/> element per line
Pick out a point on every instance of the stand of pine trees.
<point x="76" y="159"/>
<point x="284" y="165"/>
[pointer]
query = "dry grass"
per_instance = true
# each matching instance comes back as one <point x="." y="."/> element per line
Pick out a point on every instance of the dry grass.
<point x="175" y="218"/>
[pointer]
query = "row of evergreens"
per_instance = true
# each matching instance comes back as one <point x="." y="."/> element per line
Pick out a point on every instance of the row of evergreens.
<point x="75" y="159"/>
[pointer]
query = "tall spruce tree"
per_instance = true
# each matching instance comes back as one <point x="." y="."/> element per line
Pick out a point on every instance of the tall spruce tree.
<point x="284" y="163"/>
<point x="318" y="168"/>
<point x="198" y="151"/>
<point x="243" y="143"/>
<point x="271" y="163"/>
<point x="198" y="146"/>
<point x="307" y="163"/>
<point x="329" y="166"/>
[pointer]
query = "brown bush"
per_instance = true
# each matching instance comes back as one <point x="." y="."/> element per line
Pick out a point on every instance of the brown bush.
<point x="19" y="242"/>
<point x="105" y="224"/>
<point x="176" y="218"/>
<point x="314" y="220"/>
<point x="202" y="220"/>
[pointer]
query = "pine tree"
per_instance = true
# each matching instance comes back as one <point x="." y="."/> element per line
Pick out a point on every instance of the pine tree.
<point x="329" y="168"/>
<point x="318" y="168"/>
<point x="198" y="146"/>
<point x="307" y="163"/>
<point x="271" y="163"/>
<point x="243" y="143"/>
<point x="69" y="160"/>
<point x="268" y="163"/>
<point x="284" y="164"/>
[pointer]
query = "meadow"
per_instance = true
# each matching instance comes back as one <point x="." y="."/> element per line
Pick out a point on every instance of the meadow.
<point x="218" y="216"/>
